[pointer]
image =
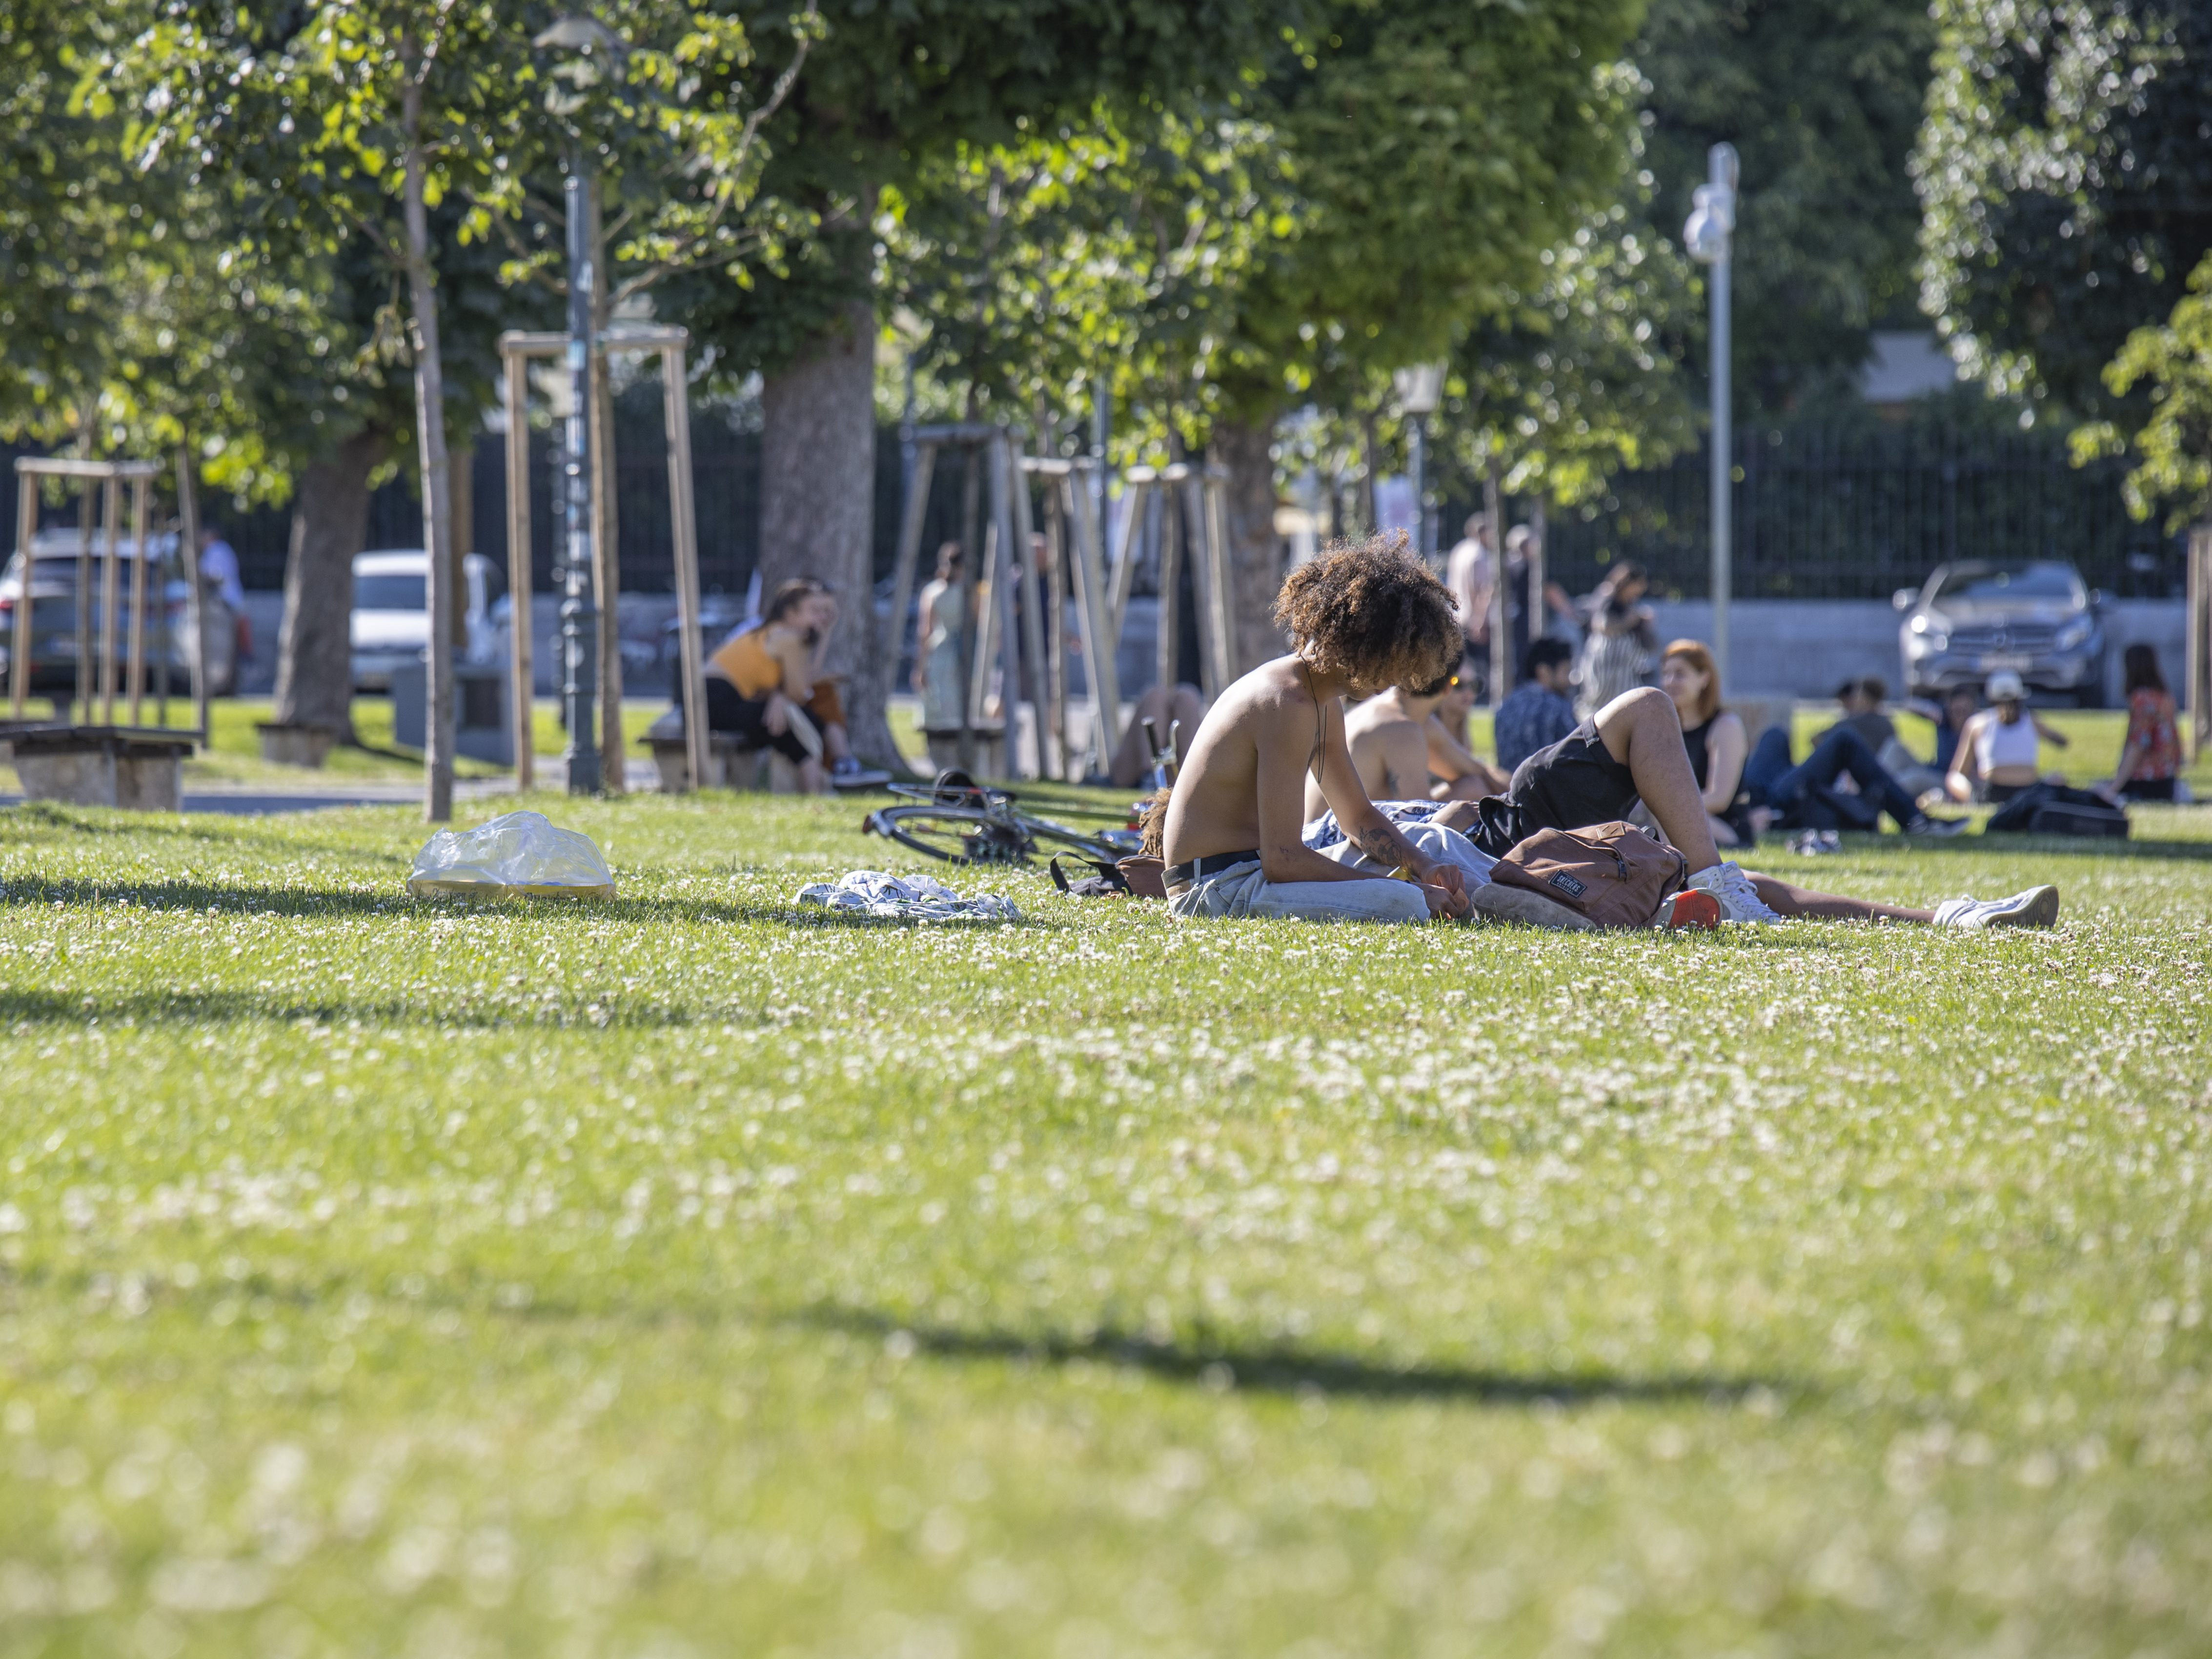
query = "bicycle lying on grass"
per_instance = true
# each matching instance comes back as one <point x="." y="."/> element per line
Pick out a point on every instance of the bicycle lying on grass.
<point x="963" y="822"/>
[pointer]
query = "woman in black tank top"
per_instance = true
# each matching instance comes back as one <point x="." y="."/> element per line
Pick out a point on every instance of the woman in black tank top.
<point x="1714" y="737"/>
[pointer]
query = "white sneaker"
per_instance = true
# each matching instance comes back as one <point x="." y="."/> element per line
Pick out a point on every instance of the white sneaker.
<point x="1738" y="899"/>
<point x="2036" y="908"/>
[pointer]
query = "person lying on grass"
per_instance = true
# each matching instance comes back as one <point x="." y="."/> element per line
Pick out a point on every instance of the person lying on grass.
<point x="1362" y="620"/>
<point x="1632" y="749"/>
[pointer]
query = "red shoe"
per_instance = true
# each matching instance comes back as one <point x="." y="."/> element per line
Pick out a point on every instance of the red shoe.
<point x="1690" y="908"/>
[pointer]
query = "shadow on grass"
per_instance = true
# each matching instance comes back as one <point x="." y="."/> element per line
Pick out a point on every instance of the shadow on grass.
<point x="2001" y="845"/>
<point x="200" y="897"/>
<point x="459" y="1008"/>
<point x="1277" y="1369"/>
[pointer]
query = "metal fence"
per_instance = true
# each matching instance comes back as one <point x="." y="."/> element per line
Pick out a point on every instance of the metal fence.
<point x="726" y="484"/>
<point x="1830" y="516"/>
<point x="1817" y="515"/>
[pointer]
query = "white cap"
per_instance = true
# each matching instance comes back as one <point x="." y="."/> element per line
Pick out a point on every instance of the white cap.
<point x="2005" y="686"/>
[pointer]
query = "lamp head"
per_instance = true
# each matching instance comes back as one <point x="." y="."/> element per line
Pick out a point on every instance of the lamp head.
<point x="577" y="34"/>
<point x="1418" y="387"/>
<point x="1712" y="219"/>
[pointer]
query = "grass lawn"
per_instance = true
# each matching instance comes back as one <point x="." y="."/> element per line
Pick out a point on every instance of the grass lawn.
<point x="698" y="1275"/>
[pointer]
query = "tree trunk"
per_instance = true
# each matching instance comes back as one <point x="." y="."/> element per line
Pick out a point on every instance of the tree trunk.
<point x="437" y="479"/>
<point x="314" y="646"/>
<point x="461" y="469"/>
<point x="818" y="503"/>
<point x="1370" y="459"/>
<point x="1255" y="552"/>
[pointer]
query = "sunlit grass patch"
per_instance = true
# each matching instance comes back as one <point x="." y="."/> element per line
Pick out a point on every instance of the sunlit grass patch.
<point x="696" y="1273"/>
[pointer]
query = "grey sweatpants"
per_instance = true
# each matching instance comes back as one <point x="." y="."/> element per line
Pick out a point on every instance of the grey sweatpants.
<point x="1242" y="890"/>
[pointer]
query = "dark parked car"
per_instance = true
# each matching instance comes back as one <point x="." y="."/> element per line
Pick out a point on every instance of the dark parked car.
<point x="53" y="616"/>
<point x="2037" y="618"/>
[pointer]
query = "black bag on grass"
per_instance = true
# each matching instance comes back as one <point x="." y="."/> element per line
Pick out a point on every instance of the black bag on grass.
<point x="2052" y="809"/>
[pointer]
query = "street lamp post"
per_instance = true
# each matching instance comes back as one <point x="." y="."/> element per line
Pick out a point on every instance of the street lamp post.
<point x="1418" y="389"/>
<point x="1710" y="236"/>
<point x="575" y="37"/>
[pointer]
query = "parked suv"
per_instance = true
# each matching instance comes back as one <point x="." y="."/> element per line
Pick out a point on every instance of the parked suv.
<point x="53" y="616"/>
<point x="2037" y="619"/>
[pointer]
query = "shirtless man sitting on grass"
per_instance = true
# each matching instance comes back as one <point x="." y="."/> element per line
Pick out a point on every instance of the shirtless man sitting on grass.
<point x="1401" y="752"/>
<point x="1363" y="618"/>
<point x="1362" y="621"/>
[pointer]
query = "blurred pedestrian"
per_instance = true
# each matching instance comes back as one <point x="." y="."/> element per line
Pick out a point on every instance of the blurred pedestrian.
<point x="219" y="565"/>
<point x="1617" y="650"/>
<point x="940" y="626"/>
<point x="1471" y="574"/>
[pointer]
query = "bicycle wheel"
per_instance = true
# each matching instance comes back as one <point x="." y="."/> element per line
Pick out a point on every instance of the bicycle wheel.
<point x="958" y="835"/>
<point x="1100" y="848"/>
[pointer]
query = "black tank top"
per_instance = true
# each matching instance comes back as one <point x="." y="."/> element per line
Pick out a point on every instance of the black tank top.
<point x="1738" y="815"/>
<point x="1693" y="739"/>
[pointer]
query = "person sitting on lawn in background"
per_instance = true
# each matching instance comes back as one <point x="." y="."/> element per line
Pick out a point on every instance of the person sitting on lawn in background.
<point x="1998" y="751"/>
<point x="1632" y="749"/>
<point x="1362" y="620"/>
<point x="1456" y="771"/>
<point x="1395" y="739"/>
<point x="1714" y="737"/>
<point x="1860" y="701"/>
<point x="766" y="685"/>
<point x="1541" y="710"/>
<point x="1805" y="797"/>
<point x="2150" y="754"/>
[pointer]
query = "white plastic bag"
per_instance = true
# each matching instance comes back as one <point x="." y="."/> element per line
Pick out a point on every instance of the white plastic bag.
<point x="513" y="855"/>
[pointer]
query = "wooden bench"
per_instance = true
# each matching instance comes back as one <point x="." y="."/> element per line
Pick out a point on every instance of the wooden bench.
<point x="729" y="764"/>
<point x="141" y="768"/>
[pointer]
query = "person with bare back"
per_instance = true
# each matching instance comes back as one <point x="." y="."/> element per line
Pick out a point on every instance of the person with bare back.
<point x="1362" y="620"/>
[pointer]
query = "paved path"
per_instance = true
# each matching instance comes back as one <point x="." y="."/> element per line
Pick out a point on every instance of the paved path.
<point x="254" y="799"/>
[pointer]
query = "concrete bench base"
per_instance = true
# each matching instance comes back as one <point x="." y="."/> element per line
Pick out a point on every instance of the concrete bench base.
<point x="989" y="745"/>
<point x="728" y="767"/>
<point x="92" y="766"/>
<point x="306" y="746"/>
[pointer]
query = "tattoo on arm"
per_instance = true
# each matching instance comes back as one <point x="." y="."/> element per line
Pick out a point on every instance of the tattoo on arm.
<point x="1383" y="842"/>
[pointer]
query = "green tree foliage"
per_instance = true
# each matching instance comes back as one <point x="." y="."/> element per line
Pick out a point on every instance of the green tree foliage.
<point x="70" y="215"/>
<point x="669" y="111"/>
<point x="1572" y="381"/>
<point x="1822" y="98"/>
<point x="1391" y="173"/>
<point x="2065" y="169"/>
<point x="2172" y="363"/>
<point x="1102" y="256"/>
<point x="356" y="119"/>
<point x="1434" y="150"/>
<point x="892" y="94"/>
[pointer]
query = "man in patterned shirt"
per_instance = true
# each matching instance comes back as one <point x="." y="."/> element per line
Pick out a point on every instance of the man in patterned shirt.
<point x="1539" y="711"/>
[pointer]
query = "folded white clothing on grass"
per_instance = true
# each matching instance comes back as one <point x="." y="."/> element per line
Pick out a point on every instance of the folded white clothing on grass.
<point x="908" y="898"/>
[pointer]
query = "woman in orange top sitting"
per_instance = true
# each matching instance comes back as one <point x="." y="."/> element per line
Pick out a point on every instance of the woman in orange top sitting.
<point x="767" y="685"/>
<point x="2150" y="757"/>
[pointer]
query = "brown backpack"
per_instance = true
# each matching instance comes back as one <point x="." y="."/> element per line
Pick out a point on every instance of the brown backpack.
<point x="1613" y="873"/>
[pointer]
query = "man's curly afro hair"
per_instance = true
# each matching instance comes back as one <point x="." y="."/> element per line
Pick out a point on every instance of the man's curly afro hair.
<point x="1371" y="610"/>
